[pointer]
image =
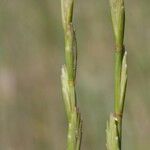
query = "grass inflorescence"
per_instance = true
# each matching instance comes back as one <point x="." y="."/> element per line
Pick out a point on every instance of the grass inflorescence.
<point x="68" y="78"/>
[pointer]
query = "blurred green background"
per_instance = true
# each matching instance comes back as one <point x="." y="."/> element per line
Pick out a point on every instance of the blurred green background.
<point x="32" y="115"/>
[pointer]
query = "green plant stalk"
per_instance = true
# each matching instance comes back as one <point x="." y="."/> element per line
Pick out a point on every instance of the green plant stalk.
<point x="118" y="113"/>
<point x="115" y="122"/>
<point x="68" y="77"/>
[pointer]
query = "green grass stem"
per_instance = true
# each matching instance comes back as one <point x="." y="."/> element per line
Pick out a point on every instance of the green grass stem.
<point x="68" y="78"/>
<point x="115" y="122"/>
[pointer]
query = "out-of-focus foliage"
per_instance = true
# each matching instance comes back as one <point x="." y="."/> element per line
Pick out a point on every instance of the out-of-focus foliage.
<point x="32" y="115"/>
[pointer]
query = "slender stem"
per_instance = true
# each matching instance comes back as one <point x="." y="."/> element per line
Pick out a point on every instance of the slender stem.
<point x="118" y="21"/>
<point x="118" y="66"/>
<point x="118" y="114"/>
<point x="68" y="78"/>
